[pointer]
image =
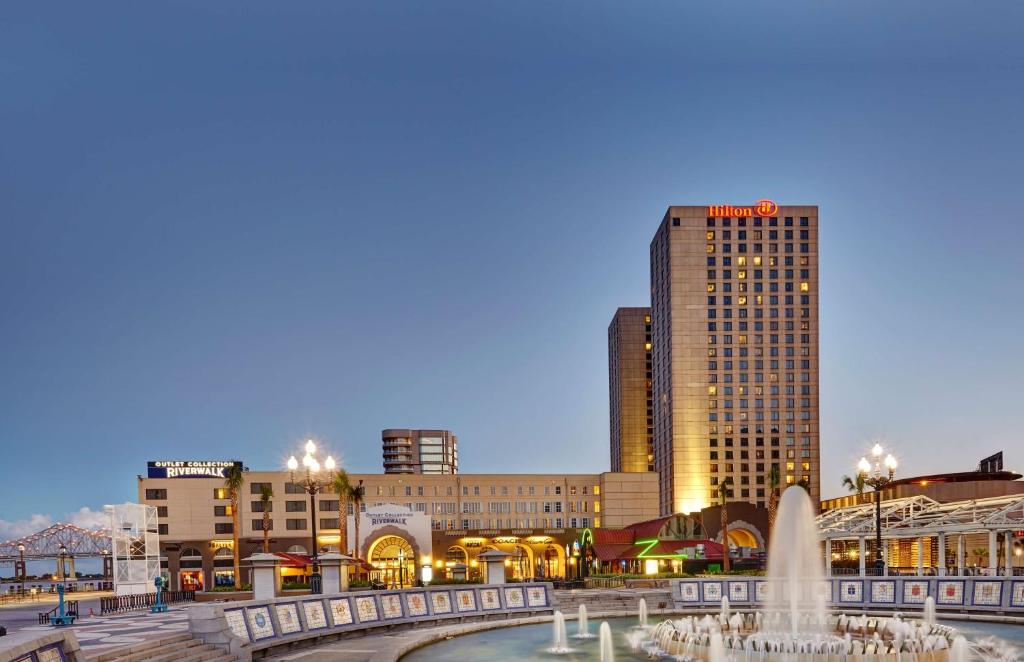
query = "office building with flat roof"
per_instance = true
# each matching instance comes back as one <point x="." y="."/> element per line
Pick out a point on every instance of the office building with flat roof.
<point x="631" y="409"/>
<point x="734" y="311"/>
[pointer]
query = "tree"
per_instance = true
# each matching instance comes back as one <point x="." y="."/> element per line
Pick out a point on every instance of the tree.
<point x="233" y="481"/>
<point x="774" y="479"/>
<point x="854" y="484"/>
<point x="343" y="488"/>
<point x="356" y="493"/>
<point x="266" y="494"/>
<point x="981" y="553"/>
<point x="723" y="501"/>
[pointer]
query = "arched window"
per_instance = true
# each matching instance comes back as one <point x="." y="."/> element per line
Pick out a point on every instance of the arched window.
<point x="297" y="549"/>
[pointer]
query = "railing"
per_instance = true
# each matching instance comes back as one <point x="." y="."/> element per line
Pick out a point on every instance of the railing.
<point x="605" y="582"/>
<point x="121" y="603"/>
<point x="70" y="608"/>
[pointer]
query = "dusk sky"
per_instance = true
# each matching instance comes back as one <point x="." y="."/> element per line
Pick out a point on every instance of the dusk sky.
<point x="225" y="226"/>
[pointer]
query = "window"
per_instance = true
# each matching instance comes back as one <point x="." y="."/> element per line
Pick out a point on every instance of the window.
<point x="329" y="522"/>
<point x="254" y="488"/>
<point x="161" y="511"/>
<point x="295" y="524"/>
<point x="223" y="527"/>
<point x="156" y="495"/>
<point x="257" y="506"/>
<point x="295" y="506"/>
<point x="161" y="529"/>
<point x="222" y="493"/>
<point x="257" y="525"/>
<point x="295" y="488"/>
<point x="222" y="511"/>
<point x="330" y="505"/>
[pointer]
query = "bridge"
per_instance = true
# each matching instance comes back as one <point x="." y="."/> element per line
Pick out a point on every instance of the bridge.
<point x="46" y="544"/>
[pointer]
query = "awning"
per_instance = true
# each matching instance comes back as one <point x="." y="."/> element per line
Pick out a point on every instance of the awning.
<point x="294" y="560"/>
<point x="606" y="551"/>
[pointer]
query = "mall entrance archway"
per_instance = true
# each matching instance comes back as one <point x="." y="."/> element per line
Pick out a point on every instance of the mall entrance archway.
<point x="394" y="561"/>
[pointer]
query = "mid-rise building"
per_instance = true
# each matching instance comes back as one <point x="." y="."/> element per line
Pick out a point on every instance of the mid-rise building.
<point x="420" y="452"/>
<point x="734" y="311"/>
<point x="631" y="411"/>
<point x="407" y="523"/>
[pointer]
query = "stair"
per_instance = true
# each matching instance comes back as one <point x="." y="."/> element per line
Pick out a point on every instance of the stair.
<point x="611" y="600"/>
<point x="173" y="648"/>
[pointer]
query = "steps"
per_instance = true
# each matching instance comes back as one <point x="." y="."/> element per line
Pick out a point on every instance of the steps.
<point x="173" y="648"/>
<point x="612" y="600"/>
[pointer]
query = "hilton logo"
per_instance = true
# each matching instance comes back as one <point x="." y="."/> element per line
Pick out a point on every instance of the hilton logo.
<point x="761" y="208"/>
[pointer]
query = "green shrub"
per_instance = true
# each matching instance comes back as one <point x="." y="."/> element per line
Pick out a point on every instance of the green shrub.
<point x="230" y="589"/>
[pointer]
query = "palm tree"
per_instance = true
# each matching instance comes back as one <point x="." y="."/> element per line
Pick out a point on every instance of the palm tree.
<point x="266" y="494"/>
<point x="343" y="488"/>
<point x="981" y="553"/>
<point x="233" y="481"/>
<point x="723" y="500"/>
<point x="854" y="484"/>
<point x="356" y="493"/>
<point x="774" y="479"/>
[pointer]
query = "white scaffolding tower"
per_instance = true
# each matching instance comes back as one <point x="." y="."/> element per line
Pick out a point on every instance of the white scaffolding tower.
<point x="136" y="547"/>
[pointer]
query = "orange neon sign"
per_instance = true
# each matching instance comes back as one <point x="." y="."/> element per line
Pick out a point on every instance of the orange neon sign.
<point x="763" y="207"/>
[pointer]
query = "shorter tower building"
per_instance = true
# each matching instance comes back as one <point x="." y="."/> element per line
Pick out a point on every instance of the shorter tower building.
<point x="420" y="452"/>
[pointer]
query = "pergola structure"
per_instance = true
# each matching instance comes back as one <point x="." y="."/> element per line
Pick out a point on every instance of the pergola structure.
<point x="923" y="519"/>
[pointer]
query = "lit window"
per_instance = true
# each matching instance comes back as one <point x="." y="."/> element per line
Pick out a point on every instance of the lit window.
<point x="711" y="235"/>
<point x="712" y="390"/>
<point x="711" y="248"/>
<point x="741" y="300"/>
<point x="711" y="287"/>
<point x="757" y="260"/>
<point x="789" y="480"/>
<point x="743" y="339"/>
<point x="647" y="346"/>
<point x="741" y="274"/>
<point x="804" y="287"/>
<point x="741" y="261"/>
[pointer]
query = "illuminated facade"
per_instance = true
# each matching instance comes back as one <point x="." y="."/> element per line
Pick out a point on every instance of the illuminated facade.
<point x="629" y="389"/>
<point x="734" y="310"/>
<point x="406" y="521"/>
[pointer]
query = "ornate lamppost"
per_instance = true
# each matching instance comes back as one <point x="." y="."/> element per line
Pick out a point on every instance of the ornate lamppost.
<point x="313" y="483"/>
<point x="878" y="473"/>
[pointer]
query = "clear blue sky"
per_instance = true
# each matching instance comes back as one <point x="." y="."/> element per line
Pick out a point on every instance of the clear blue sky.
<point x="226" y="226"/>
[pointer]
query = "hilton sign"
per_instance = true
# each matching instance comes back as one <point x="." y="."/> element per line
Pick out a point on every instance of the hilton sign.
<point x="761" y="208"/>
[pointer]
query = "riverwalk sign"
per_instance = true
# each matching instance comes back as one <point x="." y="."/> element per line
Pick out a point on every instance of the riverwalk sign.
<point x="190" y="468"/>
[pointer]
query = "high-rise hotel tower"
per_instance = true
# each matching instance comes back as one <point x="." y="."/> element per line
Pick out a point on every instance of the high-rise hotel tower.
<point x="734" y="313"/>
<point x="631" y="410"/>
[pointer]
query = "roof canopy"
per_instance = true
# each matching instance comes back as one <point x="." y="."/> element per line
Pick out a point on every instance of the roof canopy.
<point x="915" y="516"/>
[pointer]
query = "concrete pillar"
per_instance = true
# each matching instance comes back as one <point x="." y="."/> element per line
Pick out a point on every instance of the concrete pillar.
<point x="266" y="575"/>
<point x="863" y="559"/>
<point x="993" y="552"/>
<point x="920" y="556"/>
<point x="942" y="554"/>
<point x="961" y="551"/>
<point x="828" y="557"/>
<point x="334" y="570"/>
<point x="1008" y="553"/>
<point x="494" y="563"/>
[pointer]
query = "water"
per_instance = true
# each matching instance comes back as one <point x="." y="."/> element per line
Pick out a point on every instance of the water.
<point x="607" y="645"/>
<point x="560" y="645"/>
<point x="583" y="629"/>
<point x="796" y="570"/>
<point x="643" y="612"/>
<point x="529" y="643"/>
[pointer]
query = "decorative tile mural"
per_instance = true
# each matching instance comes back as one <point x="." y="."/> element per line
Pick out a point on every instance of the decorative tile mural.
<point x="987" y="593"/>
<point x="416" y="604"/>
<point x="441" y="602"/>
<point x="392" y="606"/>
<point x="465" y="600"/>
<point x="761" y="591"/>
<point x="1017" y="596"/>
<point x="915" y="591"/>
<point x="288" y="617"/>
<point x="739" y="592"/>
<point x="950" y="593"/>
<point x="514" y="598"/>
<point x="489" y="599"/>
<point x="236" y="621"/>
<point x="712" y="591"/>
<point x="689" y="591"/>
<point x="316" y="618"/>
<point x="883" y="591"/>
<point x="341" y="611"/>
<point x="851" y="590"/>
<point x="536" y="596"/>
<point x="259" y="623"/>
<point x="366" y="608"/>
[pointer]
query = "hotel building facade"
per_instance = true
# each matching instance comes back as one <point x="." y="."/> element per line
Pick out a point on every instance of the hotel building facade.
<point x="631" y="408"/>
<point x="420" y="451"/>
<point x="408" y="522"/>
<point x="734" y="313"/>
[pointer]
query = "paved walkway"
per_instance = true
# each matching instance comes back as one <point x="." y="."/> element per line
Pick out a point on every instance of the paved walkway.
<point x="98" y="634"/>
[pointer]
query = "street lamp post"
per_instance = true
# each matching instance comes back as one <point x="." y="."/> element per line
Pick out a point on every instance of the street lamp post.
<point x="878" y="473"/>
<point x="21" y="556"/>
<point x="313" y="483"/>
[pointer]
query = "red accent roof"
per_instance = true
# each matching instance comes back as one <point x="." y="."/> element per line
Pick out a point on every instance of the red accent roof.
<point x="649" y="529"/>
<point x="610" y="551"/>
<point x="619" y="536"/>
<point x="294" y="560"/>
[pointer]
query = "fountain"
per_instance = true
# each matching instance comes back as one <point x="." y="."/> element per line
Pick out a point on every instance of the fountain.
<point x="561" y="639"/>
<point x="606" y="645"/>
<point x="643" y="613"/>
<point x="929" y="611"/>
<point x="583" y="631"/>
